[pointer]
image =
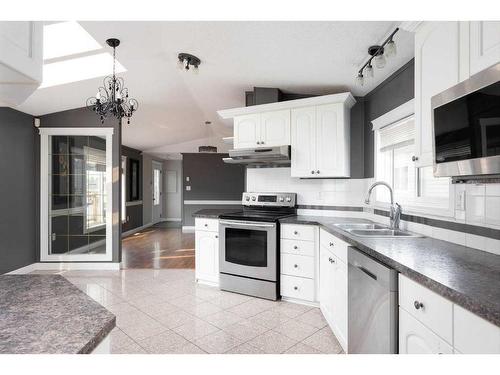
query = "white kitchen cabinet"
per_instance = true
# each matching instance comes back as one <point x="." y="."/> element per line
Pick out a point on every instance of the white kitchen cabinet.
<point x="320" y="141"/>
<point x="415" y="338"/>
<point x="265" y="129"/>
<point x="438" y="66"/>
<point x="207" y="251"/>
<point x="484" y="45"/>
<point x="333" y="293"/>
<point x="21" y="60"/>
<point x="247" y="131"/>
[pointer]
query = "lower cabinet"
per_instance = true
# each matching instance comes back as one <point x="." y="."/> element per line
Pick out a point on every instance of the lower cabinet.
<point x="207" y="256"/>
<point x="333" y="293"/>
<point x="415" y="338"/>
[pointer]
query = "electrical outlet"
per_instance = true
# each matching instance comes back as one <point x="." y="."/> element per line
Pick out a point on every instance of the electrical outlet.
<point x="188" y="188"/>
<point x="187" y="179"/>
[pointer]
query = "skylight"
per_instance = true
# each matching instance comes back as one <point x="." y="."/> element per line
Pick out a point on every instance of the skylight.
<point x="79" y="69"/>
<point x="66" y="38"/>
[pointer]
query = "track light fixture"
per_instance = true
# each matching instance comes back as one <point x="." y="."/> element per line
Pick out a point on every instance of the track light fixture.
<point x="378" y="54"/>
<point x="187" y="61"/>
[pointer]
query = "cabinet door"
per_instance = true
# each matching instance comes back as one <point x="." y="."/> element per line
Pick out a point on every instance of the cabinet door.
<point x="247" y="131"/>
<point x="437" y="68"/>
<point x="332" y="140"/>
<point x="415" y="338"/>
<point x="484" y="45"/>
<point x="207" y="256"/>
<point x="303" y="137"/>
<point x="340" y="301"/>
<point x="326" y="284"/>
<point x="275" y="128"/>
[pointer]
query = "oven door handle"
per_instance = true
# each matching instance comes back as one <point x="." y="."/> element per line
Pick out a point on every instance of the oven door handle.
<point x="246" y="224"/>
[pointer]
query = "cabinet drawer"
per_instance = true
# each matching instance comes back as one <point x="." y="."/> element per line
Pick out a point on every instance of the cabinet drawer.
<point x="298" y="232"/>
<point x="334" y="244"/>
<point x="415" y="338"/>
<point x="430" y="308"/>
<point x="474" y="335"/>
<point x="297" y="247"/>
<point x="297" y="287"/>
<point x="211" y="225"/>
<point x="297" y="265"/>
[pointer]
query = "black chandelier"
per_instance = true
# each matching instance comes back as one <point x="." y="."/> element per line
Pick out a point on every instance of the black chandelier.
<point x="112" y="98"/>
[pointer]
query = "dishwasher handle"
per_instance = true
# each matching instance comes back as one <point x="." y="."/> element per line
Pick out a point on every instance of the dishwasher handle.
<point x="366" y="271"/>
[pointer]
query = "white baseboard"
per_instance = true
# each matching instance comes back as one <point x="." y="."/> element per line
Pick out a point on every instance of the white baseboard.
<point x="135" y="230"/>
<point x="188" y="228"/>
<point x="57" y="266"/>
<point x="172" y="219"/>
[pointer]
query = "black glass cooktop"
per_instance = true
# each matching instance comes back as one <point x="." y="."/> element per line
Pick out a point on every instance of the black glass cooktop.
<point x="259" y="215"/>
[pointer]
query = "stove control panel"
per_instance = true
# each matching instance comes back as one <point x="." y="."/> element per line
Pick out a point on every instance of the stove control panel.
<point x="269" y="199"/>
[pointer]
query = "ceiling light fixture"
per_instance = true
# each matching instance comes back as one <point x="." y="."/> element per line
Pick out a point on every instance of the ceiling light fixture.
<point x="186" y="61"/>
<point x="378" y="53"/>
<point x="112" y="98"/>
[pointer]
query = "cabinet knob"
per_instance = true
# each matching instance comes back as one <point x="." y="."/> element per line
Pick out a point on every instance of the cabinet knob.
<point x="295" y="232"/>
<point x="216" y="236"/>
<point x="295" y="266"/>
<point x="295" y="247"/>
<point x="317" y="172"/>
<point x="295" y="288"/>
<point x="414" y="158"/>
<point x="331" y="260"/>
<point x="331" y="244"/>
<point x="206" y="225"/>
<point x="418" y="305"/>
<point x="312" y="172"/>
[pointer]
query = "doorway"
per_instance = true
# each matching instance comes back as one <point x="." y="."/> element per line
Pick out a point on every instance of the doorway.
<point x="157" y="177"/>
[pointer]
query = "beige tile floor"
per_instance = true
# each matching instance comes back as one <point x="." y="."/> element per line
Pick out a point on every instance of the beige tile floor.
<point x="165" y="311"/>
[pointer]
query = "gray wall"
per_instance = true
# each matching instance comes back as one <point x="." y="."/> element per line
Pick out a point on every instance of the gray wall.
<point x="173" y="201"/>
<point x="18" y="203"/>
<point x="394" y="91"/>
<point x="84" y="118"/>
<point x="357" y="142"/>
<point x="210" y="179"/>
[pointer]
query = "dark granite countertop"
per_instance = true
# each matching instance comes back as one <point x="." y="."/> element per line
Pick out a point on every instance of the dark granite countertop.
<point x="214" y="213"/>
<point x="48" y="314"/>
<point x="466" y="276"/>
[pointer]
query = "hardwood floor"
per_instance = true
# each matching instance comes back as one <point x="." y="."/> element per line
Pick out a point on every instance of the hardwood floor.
<point x="158" y="247"/>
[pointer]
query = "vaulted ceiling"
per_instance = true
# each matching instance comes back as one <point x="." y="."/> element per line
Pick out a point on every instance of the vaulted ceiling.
<point x="299" y="57"/>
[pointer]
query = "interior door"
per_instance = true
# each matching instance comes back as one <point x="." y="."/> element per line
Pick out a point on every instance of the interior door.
<point x="157" y="191"/>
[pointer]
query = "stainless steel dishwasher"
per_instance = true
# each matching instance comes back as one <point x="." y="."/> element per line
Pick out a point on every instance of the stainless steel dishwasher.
<point x="372" y="305"/>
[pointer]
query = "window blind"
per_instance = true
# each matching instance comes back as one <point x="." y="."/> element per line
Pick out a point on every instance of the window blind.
<point x="398" y="134"/>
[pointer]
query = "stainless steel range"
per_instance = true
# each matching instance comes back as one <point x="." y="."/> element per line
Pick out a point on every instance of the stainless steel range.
<point x="249" y="244"/>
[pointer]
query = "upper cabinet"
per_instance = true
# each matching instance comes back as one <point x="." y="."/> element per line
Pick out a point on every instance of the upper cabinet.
<point x="320" y="141"/>
<point x="21" y="60"/>
<point x="437" y="67"/>
<point x="484" y="45"/>
<point x="447" y="53"/>
<point x="317" y="129"/>
<point x="262" y="129"/>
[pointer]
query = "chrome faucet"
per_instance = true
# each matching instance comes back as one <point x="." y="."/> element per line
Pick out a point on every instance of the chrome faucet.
<point x="395" y="211"/>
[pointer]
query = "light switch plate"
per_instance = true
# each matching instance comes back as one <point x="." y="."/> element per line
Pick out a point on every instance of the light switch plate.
<point x="460" y="200"/>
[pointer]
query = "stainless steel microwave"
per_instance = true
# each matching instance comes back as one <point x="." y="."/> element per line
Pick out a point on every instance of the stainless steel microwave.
<point x="466" y="126"/>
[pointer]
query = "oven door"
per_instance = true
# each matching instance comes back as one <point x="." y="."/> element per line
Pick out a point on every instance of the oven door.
<point x="248" y="248"/>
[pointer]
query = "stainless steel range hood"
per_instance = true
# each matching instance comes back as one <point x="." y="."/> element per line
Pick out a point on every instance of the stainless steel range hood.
<point x="278" y="156"/>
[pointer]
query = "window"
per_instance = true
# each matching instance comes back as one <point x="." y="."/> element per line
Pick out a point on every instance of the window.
<point x="414" y="187"/>
<point x="95" y="173"/>
<point x="156" y="187"/>
<point x="124" y="189"/>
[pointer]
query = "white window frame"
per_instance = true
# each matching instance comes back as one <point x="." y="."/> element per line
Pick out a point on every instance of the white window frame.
<point x="420" y="205"/>
<point x="44" y="191"/>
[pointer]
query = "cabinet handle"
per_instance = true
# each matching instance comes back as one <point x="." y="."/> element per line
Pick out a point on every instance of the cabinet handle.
<point x="312" y="172"/>
<point x="414" y="158"/>
<point x="295" y="247"/>
<point x="317" y="172"/>
<point x="206" y="225"/>
<point x="331" y="260"/>
<point x="295" y="288"/>
<point x="295" y="232"/>
<point x="258" y="142"/>
<point x="331" y="244"/>
<point x="418" y="305"/>
<point x="216" y="236"/>
<point x="295" y="266"/>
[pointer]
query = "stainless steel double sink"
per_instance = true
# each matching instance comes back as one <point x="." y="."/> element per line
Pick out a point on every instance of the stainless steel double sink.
<point x="374" y="230"/>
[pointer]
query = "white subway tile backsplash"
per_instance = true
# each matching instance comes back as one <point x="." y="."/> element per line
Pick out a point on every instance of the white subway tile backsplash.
<point x="492" y="210"/>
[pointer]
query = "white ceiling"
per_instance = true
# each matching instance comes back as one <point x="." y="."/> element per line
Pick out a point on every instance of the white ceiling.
<point x="299" y="57"/>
